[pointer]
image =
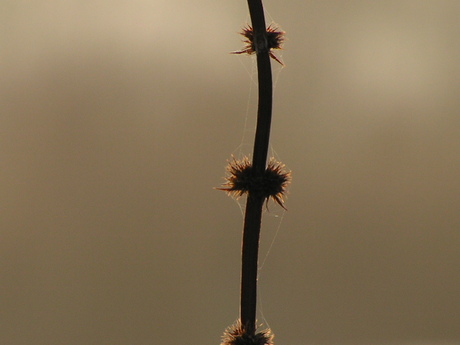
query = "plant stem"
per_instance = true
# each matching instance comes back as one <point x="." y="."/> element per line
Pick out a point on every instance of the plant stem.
<point x="264" y="73"/>
<point x="254" y="203"/>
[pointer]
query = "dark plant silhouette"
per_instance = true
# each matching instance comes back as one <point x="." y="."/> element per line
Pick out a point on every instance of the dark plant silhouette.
<point x="275" y="39"/>
<point x="256" y="180"/>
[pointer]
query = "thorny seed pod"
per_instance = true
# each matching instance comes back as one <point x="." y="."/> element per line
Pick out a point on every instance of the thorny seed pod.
<point x="237" y="335"/>
<point x="275" y="38"/>
<point x="272" y="183"/>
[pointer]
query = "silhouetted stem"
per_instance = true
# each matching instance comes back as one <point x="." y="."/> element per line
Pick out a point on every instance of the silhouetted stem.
<point x="254" y="203"/>
<point x="250" y="249"/>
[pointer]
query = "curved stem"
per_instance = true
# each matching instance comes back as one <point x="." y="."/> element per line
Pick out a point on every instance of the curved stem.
<point x="254" y="204"/>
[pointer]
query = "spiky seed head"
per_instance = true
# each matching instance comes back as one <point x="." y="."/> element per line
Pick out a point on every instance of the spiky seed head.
<point x="241" y="179"/>
<point x="237" y="335"/>
<point x="275" y="39"/>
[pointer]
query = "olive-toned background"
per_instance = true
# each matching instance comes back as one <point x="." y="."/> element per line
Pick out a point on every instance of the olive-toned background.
<point x="116" y="121"/>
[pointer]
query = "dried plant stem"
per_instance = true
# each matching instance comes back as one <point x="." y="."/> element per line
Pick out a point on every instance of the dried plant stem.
<point x="254" y="203"/>
<point x="259" y="181"/>
<point x="264" y="74"/>
<point x="250" y="251"/>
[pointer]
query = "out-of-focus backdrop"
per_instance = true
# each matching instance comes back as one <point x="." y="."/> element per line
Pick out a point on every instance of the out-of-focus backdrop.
<point x="116" y="121"/>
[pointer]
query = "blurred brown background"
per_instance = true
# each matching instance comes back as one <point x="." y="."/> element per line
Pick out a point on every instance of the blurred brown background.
<point x="117" y="118"/>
